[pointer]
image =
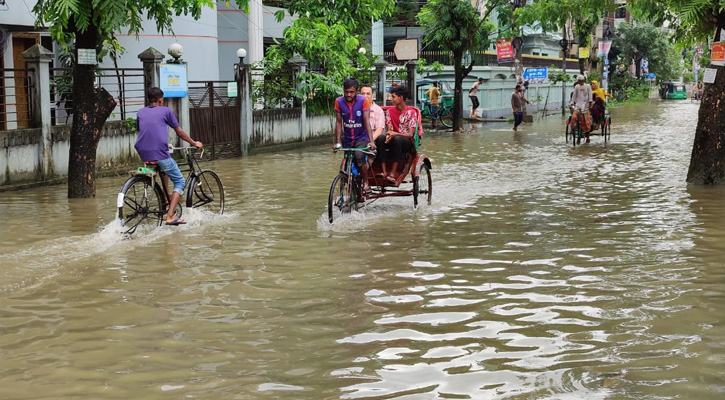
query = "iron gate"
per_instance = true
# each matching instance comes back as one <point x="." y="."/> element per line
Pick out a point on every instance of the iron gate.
<point x="214" y="117"/>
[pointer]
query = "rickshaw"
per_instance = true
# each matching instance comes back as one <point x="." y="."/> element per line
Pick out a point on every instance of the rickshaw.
<point x="445" y="107"/>
<point x="346" y="191"/>
<point x="575" y="132"/>
<point x="673" y="91"/>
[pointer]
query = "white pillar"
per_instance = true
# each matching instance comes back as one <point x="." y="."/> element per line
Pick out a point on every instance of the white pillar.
<point x="377" y="38"/>
<point x="256" y="33"/>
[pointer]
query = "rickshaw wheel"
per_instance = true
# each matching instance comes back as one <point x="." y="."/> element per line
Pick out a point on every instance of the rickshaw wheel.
<point x="423" y="186"/>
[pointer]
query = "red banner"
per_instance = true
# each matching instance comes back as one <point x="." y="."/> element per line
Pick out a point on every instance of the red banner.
<point x="504" y="51"/>
<point x="717" y="56"/>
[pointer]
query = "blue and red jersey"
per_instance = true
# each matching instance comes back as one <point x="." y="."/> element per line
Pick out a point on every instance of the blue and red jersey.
<point x="353" y="127"/>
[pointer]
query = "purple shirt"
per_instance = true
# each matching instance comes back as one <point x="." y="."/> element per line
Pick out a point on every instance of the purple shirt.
<point x="153" y="132"/>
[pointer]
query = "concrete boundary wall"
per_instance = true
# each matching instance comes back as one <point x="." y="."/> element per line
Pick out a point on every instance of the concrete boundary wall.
<point x="494" y="94"/>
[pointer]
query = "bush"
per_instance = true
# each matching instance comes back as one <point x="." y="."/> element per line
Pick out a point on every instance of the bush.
<point x="627" y="89"/>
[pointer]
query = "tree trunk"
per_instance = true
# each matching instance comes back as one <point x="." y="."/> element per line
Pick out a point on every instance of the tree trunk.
<point x="638" y="67"/>
<point x="457" y="93"/>
<point x="707" y="164"/>
<point x="459" y="74"/>
<point x="92" y="108"/>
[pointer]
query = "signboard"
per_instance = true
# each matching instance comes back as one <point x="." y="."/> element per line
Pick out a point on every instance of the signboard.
<point x="583" y="52"/>
<point x="406" y="49"/>
<point x="710" y="74"/>
<point x="173" y="80"/>
<point x="232" y="89"/>
<point x="536" y="74"/>
<point x="504" y="51"/>
<point x="717" y="56"/>
<point x="603" y="48"/>
<point x="87" y="56"/>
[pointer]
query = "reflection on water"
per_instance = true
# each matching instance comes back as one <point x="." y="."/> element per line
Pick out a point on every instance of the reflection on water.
<point x="539" y="271"/>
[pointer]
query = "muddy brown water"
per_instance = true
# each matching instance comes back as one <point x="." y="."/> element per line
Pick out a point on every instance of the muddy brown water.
<point x="540" y="271"/>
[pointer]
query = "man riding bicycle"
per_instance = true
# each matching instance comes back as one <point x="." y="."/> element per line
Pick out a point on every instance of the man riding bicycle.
<point x="581" y="101"/>
<point x="353" y="119"/>
<point x="152" y="144"/>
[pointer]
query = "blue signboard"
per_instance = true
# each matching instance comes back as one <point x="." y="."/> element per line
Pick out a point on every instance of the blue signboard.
<point x="173" y="80"/>
<point x="536" y="74"/>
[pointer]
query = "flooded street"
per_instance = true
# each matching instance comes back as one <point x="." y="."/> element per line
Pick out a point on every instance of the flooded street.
<point x="540" y="271"/>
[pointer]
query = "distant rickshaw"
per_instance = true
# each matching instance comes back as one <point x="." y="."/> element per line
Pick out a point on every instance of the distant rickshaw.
<point x="445" y="108"/>
<point x="673" y="90"/>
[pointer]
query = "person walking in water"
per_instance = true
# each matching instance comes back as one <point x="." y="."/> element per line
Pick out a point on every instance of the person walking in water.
<point x="517" y="106"/>
<point x="473" y="95"/>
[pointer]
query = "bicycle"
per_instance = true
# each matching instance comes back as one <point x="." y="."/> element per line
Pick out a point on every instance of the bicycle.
<point x="143" y="200"/>
<point x="444" y="114"/>
<point x="346" y="192"/>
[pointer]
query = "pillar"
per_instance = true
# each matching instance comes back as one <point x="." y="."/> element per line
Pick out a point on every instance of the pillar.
<point x="412" y="66"/>
<point x="246" y="113"/>
<point x="299" y="67"/>
<point x="151" y="59"/>
<point x="37" y="59"/>
<point x="380" y="71"/>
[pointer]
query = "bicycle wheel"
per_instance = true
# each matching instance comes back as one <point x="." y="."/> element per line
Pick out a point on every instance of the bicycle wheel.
<point x="445" y="116"/>
<point x="206" y="192"/>
<point x="139" y="202"/>
<point x="423" y="186"/>
<point x="567" y="133"/>
<point x="339" y="197"/>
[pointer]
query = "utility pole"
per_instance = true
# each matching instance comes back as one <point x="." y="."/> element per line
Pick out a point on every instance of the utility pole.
<point x="564" y="50"/>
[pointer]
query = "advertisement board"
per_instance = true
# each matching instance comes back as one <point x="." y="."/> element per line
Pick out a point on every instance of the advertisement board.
<point x="173" y="80"/>
<point x="504" y="51"/>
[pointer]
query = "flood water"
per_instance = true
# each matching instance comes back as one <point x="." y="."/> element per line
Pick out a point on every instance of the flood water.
<point x="540" y="271"/>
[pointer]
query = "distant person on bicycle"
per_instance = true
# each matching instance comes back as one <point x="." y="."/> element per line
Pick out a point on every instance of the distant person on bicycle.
<point x="581" y="100"/>
<point x="473" y="95"/>
<point x="152" y="145"/>
<point x="402" y="121"/>
<point x="353" y="119"/>
<point x="434" y="95"/>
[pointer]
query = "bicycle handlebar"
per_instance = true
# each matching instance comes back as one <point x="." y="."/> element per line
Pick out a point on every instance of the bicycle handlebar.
<point x="365" y="150"/>
<point x="188" y="149"/>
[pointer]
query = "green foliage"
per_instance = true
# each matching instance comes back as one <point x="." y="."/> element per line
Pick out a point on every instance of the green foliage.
<point x="65" y="18"/>
<point x="627" y="89"/>
<point x="595" y="76"/>
<point x="643" y="41"/>
<point x="329" y="36"/>
<point x="454" y="25"/>
<point x="691" y="20"/>
<point x="425" y="69"/>
<point x="558" y="75"/>
<point x="552" y="15"/>
<point x="130" y="124"/>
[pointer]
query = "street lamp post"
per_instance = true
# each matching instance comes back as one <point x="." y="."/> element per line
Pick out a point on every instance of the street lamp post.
<point x="564" y="50"/>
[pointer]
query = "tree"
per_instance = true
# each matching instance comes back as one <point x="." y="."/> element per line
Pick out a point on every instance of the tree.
<point x="458" y="27"/>
<point x="640" y="41"/>
<point x="87" y="24"/>
<point x="329" y="36"/>
<point x="554" y="15"/>
<point x="696" y="21"/>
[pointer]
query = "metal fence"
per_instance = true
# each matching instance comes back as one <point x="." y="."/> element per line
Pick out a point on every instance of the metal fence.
<point x="483" y="57"/>
<point x="16" y="99"/>
<point x="273" y="90"/>
<point x="126" y="85"/>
